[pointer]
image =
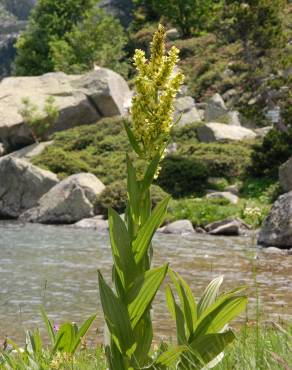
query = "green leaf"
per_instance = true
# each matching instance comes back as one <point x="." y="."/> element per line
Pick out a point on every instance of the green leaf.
<point x="81" y="332"/>
<point x="210" y="294"/>
<point x="207" y="347"/>
<point x="143" y="336"/>
<point x="121" y="248"/>
<point x="171" y="356"/>
<point x="150" y="172"/>
<point x="177" y="315"/>
<point x="116" y="317"/>
<point x="133" y="140"/>
<point x="219" y="315"/>
<point x="133" y="191"/>
<point x="64" y="338"/>
<point x="145" y="234"/>
<point x="143" y="292"/>
<point x="48" y="325"/>
<point x="187" y="300"/>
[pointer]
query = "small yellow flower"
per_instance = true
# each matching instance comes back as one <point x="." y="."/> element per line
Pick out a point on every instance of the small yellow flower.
<point x="156" y="88"/>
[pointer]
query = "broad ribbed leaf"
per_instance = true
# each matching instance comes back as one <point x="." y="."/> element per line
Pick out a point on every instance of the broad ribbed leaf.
<point x="133" y="190"/>
<point x="81" y="332"/>
<point x="220" y="315"/>
<point x="64" y="338"/>
<point x="177" y="315"/>
<point x="121" y="248"/>
<point x="116" y="317"/>
<point x="145" y="234"/>
<point x="143" y="333"/>
<point x="143" y="293"/>
<point x="171" y="356"/>
<point x="210" y="294"/>
<point x="187" y="300"/>
<point x="132" y="139"/>
<point x="207" y="347"/>
<point x="48" y="325"/>
<point x="150" y="172"/>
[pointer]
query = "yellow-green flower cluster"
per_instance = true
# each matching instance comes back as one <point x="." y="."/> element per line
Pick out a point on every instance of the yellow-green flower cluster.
<point x="156" y="87"/>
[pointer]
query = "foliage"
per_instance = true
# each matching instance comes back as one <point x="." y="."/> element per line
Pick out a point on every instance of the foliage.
<point x="229" y="160"/>
<point x="181" y="176"/>
<point x="202" y="211"/>
<point x="87" y="44"/>
<point x="275" y="149"/>
<point x="257" y="23"/>
<point x="201" y="335"/>
<point x="64" y="342"/>
<point x="38" y="123"/>
<point x="50" y="20"/>
<point x="188" y="15"/>
<point x="115" y="196"/>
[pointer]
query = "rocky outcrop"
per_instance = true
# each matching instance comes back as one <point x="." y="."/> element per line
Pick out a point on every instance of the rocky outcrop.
<point x="215" y="108"/>
<point x="215" y="131"/>
<point x="178" y="227"/>
<point x="30" y="151"/>
<point x="277" y="227"/>
<point x="69" y="201"/>
<point x="285" y="175"/>
<point x="186" y="110"/>
<point x="81" y="99"/>
<point x="230" y="226"/>
<point x="21" y="186"/>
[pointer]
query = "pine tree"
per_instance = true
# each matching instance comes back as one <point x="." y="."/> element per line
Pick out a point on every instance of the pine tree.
<point x="50" y="20"/>
<point x="257" y="23"/>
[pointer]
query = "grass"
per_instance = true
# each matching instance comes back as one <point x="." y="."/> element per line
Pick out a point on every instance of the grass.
<point x="268" y="347"/>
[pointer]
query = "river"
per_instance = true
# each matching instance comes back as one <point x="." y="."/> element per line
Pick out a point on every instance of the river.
<point x="57" y="266"/>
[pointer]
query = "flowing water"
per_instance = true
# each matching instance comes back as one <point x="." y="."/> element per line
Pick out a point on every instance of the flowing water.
<point x="57" y="266"/>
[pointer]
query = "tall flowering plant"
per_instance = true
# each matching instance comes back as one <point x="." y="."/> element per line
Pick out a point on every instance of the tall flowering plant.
<point x="127" y="307"/>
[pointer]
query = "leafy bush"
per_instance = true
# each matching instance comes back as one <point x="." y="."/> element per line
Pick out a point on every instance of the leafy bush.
<point x="227" y="160"/>
<point x="180" y="176"/>
<point x="201" y="211"/>
<point x="275" y="149"/>
<point x="115" y="196"/>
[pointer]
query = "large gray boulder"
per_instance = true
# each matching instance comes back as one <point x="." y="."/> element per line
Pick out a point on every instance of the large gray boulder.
<point x="285" y="175"/>
<point x="69" y="201"/>
<point x="231" y="226"/>
<point x="21" y="186"/>
<point x="186" y="110"/>
<point x="215" y="131"/>
<point x="30" y="151"/>
<point x="81" y="99"/>
<point x="277" y="227"/>
<point x="215" y="108"/>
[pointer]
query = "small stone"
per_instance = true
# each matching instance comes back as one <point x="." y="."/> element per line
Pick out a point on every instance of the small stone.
<point x="232" y="198"/>
<point x="178" y="227"/>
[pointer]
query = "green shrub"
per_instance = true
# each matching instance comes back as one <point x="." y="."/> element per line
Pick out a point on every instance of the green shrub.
<point x="227" y="160"/>
<point x="115" y="196"/>
<point x="181" y="176"/>
<point x="202" y="211"/>
<point x="275" y="149"/>
<point x="185" y="133"/>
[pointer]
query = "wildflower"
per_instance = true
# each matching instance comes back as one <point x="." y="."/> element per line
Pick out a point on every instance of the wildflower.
<point x="156" y="87"/>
